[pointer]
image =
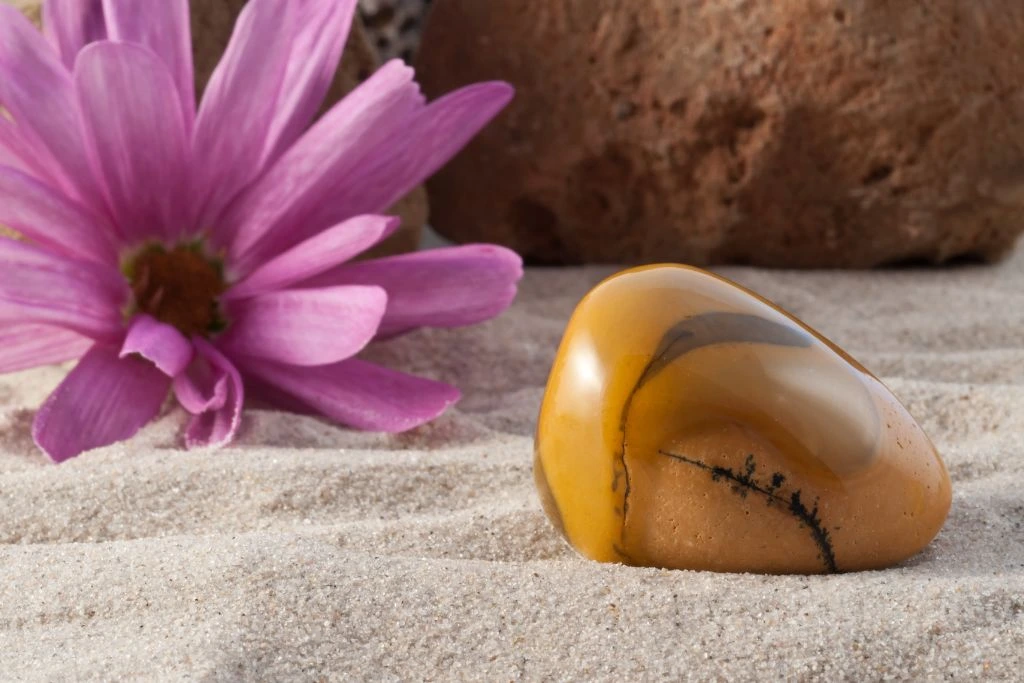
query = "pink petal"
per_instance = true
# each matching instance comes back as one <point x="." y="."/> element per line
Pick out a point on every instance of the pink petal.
<point x="36" y="90"/>
<point x="317" y="254"/>
<point x="305" y="327"/>
<point x="447" y="287"/>
<point x="271" y="396"/>
<point x="432" y="138"/>
<point x="162" y="345"/>
<point x="10" y="150"/>
<point x="202" y="387"/>
<point x="37" y="286"/>
<point x="360" y="394"/>
<point x="105" y="399"/>
<point x="52" y="220"/>
<point x="272" y="209"/>
<point x="239" y="105"/>
<point x="139" y="144"/>
<point x="321" y="29"/>
<point x="213" y="393"/>
<point x="164" y="28"/>
<point x="17" y="154"/>
<point x="72" y="24"/>
<point x="29" y="346"/>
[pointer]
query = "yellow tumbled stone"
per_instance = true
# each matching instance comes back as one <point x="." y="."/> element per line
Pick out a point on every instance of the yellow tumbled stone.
<point x="688" y="423"/>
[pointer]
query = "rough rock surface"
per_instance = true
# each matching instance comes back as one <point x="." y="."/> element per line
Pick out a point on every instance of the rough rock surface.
<point x="823" y="133"/>
<point x="212" y="21"/>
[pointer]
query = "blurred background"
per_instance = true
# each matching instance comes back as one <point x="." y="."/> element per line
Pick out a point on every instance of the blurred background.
<point x="827" y="133"/>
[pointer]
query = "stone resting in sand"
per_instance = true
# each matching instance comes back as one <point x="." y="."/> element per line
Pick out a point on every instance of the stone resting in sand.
<point x="690" y="424"/>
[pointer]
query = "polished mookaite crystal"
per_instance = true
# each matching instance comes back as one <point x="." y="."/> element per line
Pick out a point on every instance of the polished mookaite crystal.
<point x="688" y="423"/>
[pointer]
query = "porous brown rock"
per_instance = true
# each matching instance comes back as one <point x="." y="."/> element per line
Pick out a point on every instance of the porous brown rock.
<point x="822" y="133"/>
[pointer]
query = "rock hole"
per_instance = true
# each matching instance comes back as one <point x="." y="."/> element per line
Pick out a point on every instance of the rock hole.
<point x="925" y="134"/>
<point x="749" y="116"/>
<point x="531" y="216"/>
<point x="678" y="107"/>
<point x="631" y="38"/>
<point x="877" y="174"/>
<point x="624" y="110"/>
<point x="736" y="171"/>
<point x="381" y="18"/>
<point x="536" y="226"/>
<point x="840" y="16"/>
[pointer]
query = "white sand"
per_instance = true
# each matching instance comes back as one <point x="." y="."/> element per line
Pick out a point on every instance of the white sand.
<point x="307" y="551"/>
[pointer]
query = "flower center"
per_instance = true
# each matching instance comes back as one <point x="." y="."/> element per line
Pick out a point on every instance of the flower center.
<point x="178" y="286"/>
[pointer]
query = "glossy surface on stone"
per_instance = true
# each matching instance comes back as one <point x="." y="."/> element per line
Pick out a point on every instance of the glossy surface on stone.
<point x="690" y="424"/>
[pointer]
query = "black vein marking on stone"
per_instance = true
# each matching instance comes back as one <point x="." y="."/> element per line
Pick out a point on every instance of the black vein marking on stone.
<point x="744" y="482"/>
<point x="699" y="331"/>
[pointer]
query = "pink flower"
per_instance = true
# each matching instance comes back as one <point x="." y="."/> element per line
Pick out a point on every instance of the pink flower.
<point x="207" y="251"/>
